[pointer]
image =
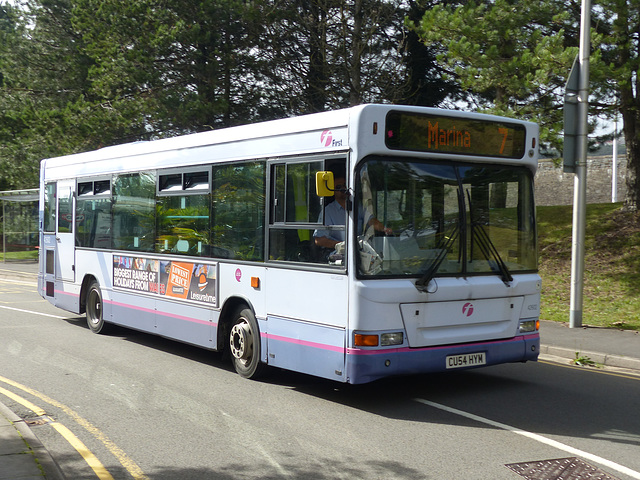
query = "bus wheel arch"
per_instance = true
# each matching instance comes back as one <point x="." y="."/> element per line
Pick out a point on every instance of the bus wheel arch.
<point x="239" y="337"/>
<point x="84" y="288"/>
<point x="94" y="305"/>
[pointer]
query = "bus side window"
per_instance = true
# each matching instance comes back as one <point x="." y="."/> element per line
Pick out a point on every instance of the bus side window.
<point x="238" y="211"/>
<point x="134" y="211"/>
<point x="93" y="214"/>
<point x="296" y="211"/>
<point x="65" y="214"/>
<point x="183" y="224"/>
<point x="50" y="208"/>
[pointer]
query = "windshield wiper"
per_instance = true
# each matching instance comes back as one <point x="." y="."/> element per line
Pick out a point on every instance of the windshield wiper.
<point x="422" y="282"/>
<point x="487" y="246"/>
<point x="489" y="250"/>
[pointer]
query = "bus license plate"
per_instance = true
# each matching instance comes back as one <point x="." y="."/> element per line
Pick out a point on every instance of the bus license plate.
<point x="466" y="360"/>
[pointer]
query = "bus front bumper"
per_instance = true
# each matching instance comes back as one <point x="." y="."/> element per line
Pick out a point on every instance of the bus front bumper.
<point x="366" y="365"/>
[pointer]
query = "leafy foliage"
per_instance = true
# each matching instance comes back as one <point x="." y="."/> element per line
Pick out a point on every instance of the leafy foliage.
<point x="513" y="56"/>
<point x="616" y="25"/>
<point x="509" y="56"/>
<point x="76" y="75"/>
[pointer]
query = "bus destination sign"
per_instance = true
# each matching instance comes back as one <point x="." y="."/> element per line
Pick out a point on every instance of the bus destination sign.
<point x="457" y="135"/>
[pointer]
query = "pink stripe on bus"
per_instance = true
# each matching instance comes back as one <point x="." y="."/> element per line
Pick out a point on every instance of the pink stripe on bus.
<point x="67" y="293"/>
<point x="304" y="343"/>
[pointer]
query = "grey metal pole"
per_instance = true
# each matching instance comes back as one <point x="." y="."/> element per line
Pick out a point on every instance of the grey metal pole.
<point x="614" y="165"/>
<point x="4" y="234"/>
<point x="580" y="180"/>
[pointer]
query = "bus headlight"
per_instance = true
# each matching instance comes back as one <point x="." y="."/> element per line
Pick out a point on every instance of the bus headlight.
<point x="382" y="339"/>
<point x="528" y="326"/>
<point x="393" y="338"/>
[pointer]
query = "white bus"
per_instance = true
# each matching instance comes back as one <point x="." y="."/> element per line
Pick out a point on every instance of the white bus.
<point x="216" y="239"/>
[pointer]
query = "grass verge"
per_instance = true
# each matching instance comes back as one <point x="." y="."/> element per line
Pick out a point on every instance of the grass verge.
<point x="612" y="265"/>
<point x="19" y="256"/>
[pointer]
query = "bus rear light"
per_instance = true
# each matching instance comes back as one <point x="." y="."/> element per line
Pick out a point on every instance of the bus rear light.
<point x="529" y="326"/>
<point x="361" y="340"/>
<point x="393" y="338"/>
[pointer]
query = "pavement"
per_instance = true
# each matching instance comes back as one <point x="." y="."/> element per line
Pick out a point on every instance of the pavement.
<point x="23" y="457"/>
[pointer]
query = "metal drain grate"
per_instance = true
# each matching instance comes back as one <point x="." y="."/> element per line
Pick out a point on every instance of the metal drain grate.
<point x="571" y="468"/>
<point x="41" y="420"/>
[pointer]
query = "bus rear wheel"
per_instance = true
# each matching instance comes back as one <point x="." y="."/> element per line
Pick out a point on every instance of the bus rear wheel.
<point x="244" y="344"/>
<point x="95" y="319"/>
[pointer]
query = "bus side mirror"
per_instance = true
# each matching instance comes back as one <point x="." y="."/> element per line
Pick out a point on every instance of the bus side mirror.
<point x="324" y="184"/>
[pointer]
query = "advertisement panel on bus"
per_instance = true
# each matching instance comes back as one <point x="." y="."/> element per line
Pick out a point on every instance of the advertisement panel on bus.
<point x="194" y="282"/>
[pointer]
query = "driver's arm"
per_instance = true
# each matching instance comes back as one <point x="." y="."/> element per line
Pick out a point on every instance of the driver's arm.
<point x="325" y="242"/>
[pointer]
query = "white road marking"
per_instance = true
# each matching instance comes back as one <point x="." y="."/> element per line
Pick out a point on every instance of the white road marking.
<point x="34" y="313"/>
<point x="21" y="282"/>
<point x="536" y="437"/>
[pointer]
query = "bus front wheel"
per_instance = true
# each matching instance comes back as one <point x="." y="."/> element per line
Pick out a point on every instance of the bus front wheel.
<point x="244" y="344"/>
<point x="94" y="308"/>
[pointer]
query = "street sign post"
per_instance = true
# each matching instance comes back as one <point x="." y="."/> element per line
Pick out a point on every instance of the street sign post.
<point x="571" y="90"/>
<point x="580" y="164"/>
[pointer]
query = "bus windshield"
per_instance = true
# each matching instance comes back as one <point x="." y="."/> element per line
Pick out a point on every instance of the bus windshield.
<point x="447" y="219"/>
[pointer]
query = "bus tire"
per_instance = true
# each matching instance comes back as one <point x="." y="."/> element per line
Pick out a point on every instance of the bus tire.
<point x="244" y="344"/>
<point x="94" y="309"/>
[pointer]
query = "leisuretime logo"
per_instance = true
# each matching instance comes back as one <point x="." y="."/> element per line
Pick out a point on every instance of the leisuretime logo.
<point x="467" y="309"/>
<point x="202" y="282"/>
<point x="326" y="139"/>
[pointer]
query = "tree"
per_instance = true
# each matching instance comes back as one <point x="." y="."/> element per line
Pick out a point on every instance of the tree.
<point x="528" y="82"/>
<point x="367" y="51"/>
<point x="615" y="77"/>
<point x="189" y="66"/>
<point x="49" y="106"/>
<point x="77" y="75"/>
<point x="41" y="76"/>
<point x="510" y="56"/>
<point x="10" y="123"/>
<point x="427" y="83"/>
<point x="294" y="54"/>
<point x="327" y="54"/>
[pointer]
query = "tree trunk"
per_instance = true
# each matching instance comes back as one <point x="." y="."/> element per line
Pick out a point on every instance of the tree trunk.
<point x="316" y="95"/>
<point x="631" y="123"/>
<point x="632" y="136"/>
<point x="629" y="104"/>
<point x="355" y="92"/>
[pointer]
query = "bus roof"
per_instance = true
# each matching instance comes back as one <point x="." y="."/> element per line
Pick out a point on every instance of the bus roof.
<point x="313" y="133"/>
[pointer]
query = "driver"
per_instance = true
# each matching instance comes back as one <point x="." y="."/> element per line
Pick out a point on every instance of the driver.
<point x="335" y="214"/>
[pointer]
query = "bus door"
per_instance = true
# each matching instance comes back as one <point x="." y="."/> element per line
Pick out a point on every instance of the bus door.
<point x="307" y="295"/>
<point x="65" y="264"/>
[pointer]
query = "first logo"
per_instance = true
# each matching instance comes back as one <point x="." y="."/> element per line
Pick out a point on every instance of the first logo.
<point x="326" y="138"/>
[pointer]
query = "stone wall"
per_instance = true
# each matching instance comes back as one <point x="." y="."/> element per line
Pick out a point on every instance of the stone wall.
<point x="554" y="187"/>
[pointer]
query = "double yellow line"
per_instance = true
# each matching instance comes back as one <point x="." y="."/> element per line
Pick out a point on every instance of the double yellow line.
<point x="75" y="442"/>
